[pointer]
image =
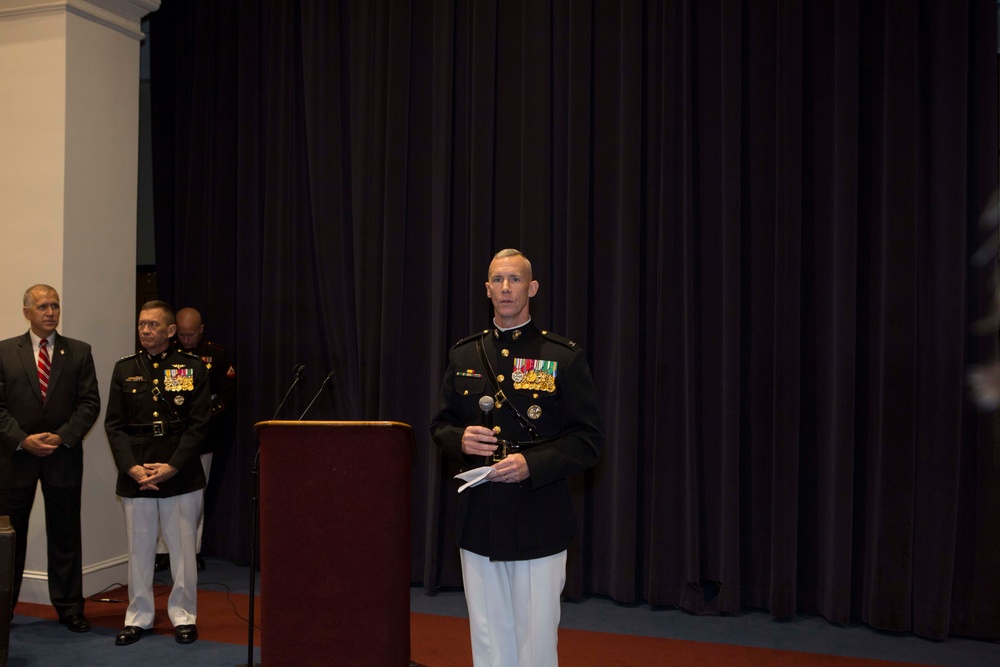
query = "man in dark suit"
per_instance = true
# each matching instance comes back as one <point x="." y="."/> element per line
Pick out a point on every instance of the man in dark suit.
<point x="48" y="401"/>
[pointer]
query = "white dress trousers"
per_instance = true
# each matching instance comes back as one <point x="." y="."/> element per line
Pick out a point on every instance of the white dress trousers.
<point x="514" y="609"/>
<point x="206" y="465"/>
<point x="178" y="518"/>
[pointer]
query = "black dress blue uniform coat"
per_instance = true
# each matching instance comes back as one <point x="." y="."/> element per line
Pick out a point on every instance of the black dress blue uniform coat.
<point x="534" y="518"/>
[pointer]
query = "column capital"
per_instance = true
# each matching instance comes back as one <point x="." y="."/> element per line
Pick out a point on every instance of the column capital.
<point x="121" y="15"/>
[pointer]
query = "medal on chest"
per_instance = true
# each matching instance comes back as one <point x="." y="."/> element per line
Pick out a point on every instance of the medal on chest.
<point x="179" y="378"/>
<point x="534" y="375"/>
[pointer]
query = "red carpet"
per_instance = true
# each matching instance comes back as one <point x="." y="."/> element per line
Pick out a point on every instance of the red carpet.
<point x="217" y="614"/>
<point x="443" y="641"/>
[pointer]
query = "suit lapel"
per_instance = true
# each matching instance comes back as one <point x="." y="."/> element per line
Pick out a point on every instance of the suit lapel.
<point x="58" y="362"/>
<point x="27" y="354"/>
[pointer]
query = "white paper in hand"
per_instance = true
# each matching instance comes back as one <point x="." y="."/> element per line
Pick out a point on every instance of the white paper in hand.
<point x="473" y="477"/>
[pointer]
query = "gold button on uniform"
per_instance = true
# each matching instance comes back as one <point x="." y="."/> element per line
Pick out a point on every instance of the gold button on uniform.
<point x="500" y="378"/>
<point x="505" y="352"/>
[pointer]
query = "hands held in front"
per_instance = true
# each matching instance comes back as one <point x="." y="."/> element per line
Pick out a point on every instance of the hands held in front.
<point x="511" y="470"/>
<point x="149" y="475"/>
<point x="480" y="441"/>
<point x="41" y="444"/>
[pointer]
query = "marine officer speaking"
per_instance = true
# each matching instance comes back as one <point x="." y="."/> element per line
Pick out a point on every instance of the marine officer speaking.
<point x="513" y="530"/>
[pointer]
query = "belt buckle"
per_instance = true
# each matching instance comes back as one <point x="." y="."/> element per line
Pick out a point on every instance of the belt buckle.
<point x="500" y="453"/>
<point x="158" y="429"/>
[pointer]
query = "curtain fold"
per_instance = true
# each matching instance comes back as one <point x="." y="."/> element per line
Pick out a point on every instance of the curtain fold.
<point x="755" y="217"/>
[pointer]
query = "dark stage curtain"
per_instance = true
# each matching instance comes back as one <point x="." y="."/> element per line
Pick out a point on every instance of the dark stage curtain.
<point x="756" y="218"/>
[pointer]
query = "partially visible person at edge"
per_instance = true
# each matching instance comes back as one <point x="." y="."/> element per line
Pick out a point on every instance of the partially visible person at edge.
<point x="222" y="385"/>
<point x="513" y="530"/>
<point x="157" y="418"/>
<point x="49" y="400"/>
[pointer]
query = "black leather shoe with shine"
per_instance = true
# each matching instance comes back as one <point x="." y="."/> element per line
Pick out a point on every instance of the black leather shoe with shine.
<point x="129" y="635"/>
<point x="186" y="634"/>
<point x="76" y="623"/>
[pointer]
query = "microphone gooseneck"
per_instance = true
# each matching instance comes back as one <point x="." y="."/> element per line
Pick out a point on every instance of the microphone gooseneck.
<point x="329" y="376"/>
<point x="298" y="370"/>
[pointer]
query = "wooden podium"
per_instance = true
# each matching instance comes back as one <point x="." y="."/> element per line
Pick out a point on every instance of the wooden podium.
<point x="335" y="542"/>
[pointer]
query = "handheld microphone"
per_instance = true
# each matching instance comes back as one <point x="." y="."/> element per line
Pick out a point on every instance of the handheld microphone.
<point x="486" y="404"/>
<point x="329" y="376"/>
<point x="298" y="370"/>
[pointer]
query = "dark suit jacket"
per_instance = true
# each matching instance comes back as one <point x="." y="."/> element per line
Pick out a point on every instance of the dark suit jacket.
<point x="72" y="407"/>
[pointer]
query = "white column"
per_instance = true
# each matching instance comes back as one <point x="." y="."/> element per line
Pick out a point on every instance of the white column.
<point x="69" y="104"/>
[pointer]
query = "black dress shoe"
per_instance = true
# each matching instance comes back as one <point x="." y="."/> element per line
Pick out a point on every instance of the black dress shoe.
<point x="186" y="634"/>
<point x="162" y="562"/>
<point x="130" y="635"/>
<point x="200" y="561"/>
<point x="76" y="622"/>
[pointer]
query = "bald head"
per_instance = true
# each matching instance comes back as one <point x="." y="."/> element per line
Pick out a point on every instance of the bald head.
<point x="190" y="329"/>
<point x="510" y="288"/>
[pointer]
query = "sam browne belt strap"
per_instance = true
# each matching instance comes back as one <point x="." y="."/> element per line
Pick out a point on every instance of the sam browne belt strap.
<point x="157" y="428"/>
<point x="501" y="398"/>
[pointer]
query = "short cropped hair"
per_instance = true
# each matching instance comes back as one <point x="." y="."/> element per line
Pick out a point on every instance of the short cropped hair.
<point x="512" y="252"/>
<point x="160" y="305"/>
<point x="29" y="294"/>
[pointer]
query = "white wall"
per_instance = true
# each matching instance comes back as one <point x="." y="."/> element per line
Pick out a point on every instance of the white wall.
<point x="69" y="81"/>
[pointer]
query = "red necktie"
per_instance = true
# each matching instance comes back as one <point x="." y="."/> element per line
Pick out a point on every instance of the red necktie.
<point x="43" y="366"/>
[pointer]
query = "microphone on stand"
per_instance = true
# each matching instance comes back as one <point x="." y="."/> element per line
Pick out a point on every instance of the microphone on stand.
<point x="298" y="370"/>
<point x="329" y="376"/>
<point x="255" y="522"/>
